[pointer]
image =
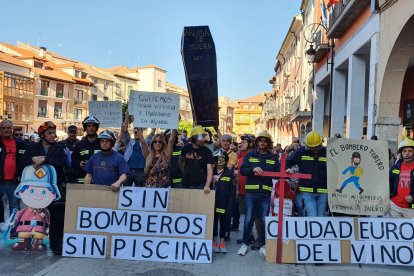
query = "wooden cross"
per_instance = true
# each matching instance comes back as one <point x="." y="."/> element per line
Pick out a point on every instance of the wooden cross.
<point x="282" y="175"/>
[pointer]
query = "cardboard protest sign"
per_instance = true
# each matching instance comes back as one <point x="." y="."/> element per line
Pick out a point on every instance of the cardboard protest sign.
<point x="154" y="109"/>
<point x="174" y="225"/>
<point x="109" y="113"/>
<point x="358" y="177"/>
<point x="342" y="240"/>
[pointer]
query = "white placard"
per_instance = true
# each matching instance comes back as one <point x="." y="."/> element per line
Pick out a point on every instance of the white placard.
<point x="161" y="249"/>
<point x="81" y="245"/>
<point x="109" y="113"/>
<point x="386" y="253"/>
<point x="322" y="251"/>
<point x="154" y="109"/>
<point x="306" y="228"/>
<point x="141" y="223"/>
<point x="287" y="206"/>
<point x="143" y="199"/>
<point x="386" y="229"/>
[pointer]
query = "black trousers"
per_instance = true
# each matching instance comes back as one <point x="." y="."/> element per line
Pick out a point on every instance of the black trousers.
<point x="57" y="220"/>
<point x="224" y="223"/>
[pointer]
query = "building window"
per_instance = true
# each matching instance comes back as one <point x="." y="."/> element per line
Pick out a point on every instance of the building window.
<point x="77" y="74"/>
<point x="58" y="111"/>
<point x="246" y="106"/>
<point x="78" y="96"/>
<point x="59" y="90"/>
<point x="94" y="97"/>
<point x="159" y="83"/>
<point x="106" y="99"/>
<point x="118" y="89"/>
<point x="38" y="64"/>
<point x="44" y="88"/>
<point x="106" y="85"/>
<point x="78" y="114"/>
<point x="42" y="109"/>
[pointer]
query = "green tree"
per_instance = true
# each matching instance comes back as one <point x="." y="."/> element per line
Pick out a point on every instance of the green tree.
<point x="183" y="124"/>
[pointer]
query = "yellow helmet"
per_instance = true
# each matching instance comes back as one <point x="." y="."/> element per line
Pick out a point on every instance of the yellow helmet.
<point x="197" y="131"/>
<point x="264" y="134"/>
<point x="313" y="139"/>
<point x="407" y="142"/>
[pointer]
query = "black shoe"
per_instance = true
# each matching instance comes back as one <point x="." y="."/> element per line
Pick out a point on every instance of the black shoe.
<point x="240" y="241"/>
<point x="227" y="237"/>
<point x="255" y="246"/>
<point x="234" y="228"/>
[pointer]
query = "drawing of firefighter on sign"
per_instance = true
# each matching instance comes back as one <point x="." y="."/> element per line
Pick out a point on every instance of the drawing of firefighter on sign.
<point x="354" y="171"/>
<point x="37" y="190"/>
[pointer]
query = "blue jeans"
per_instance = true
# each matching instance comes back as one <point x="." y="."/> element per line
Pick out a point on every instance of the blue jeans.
<point x="299" y="204"/>
<point x="8" y="187"/>
<point x="255" y="201"/>
<point x="315" y="204"/>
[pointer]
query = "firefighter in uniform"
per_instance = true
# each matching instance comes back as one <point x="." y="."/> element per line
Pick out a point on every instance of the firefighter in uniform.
<point x="311" y="159"/>
<point x="258" y="188"/>
<point x="85" y="148"/>
<point x="175" y="172"/>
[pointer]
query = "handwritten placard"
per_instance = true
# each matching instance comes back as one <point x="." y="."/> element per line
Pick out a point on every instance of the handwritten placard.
<point x="154" y="109"/>
<point x="109" y="113"/>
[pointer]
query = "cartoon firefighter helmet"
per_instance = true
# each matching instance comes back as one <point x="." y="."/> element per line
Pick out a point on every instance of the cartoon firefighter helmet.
<point x="43" y="176"/>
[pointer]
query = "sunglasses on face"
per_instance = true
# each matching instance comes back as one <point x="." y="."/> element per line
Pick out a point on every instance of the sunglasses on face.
<point x="263" y="140"/>
<point x="18" y="134"/>
<point x="157" y="142"/>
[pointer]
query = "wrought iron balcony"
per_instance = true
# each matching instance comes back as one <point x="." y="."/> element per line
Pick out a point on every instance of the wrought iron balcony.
<point x="343" y="15"/>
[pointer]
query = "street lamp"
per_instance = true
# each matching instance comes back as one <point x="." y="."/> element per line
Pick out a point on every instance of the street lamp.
<point x="311" y="52"/>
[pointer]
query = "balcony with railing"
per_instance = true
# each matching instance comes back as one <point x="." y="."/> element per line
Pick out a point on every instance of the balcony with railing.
<point x="321" y="44"/>
<point x="300" y="110"/>
<point x="343" y="15"/>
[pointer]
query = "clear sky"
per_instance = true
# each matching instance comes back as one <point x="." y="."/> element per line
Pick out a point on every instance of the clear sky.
<point x="247" y="34"/>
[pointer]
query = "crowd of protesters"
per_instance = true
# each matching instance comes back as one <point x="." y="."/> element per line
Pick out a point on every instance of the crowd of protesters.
<point x="195" y="160"/>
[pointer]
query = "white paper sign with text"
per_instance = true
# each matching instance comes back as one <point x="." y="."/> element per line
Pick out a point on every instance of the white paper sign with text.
<point x="109" y="113"/>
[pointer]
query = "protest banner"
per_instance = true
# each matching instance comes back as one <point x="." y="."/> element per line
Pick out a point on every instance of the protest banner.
<point x="342" y="240"/>
<point x="109" y="113"/>
<point x="174" y="225"/>
<point x="154" y="109"/>
<point x="358" y="177"/>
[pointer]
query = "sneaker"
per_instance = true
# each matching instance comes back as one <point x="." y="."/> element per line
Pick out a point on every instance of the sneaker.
<point x="223" y="248"/>
<point x="262" y="250"/>
<point x="216" y="248"/>
<point x="243" y="250"/>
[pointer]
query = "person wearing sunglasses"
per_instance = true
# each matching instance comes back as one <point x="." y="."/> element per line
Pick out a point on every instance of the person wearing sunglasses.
<point x="48" y="151"/>
<point x="18" y="133"/>
<point x="157" y="168"/>
<point x="12" y="149"/>
<point x="85" y="148"/>
<point x="72" y="139"/>
<point x="258" y="188"/>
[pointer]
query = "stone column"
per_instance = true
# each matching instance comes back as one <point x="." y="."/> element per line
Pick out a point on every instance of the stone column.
<point x="338" y="102"/>
<point x="318" y="109"/>
<point x="356" y="97"/>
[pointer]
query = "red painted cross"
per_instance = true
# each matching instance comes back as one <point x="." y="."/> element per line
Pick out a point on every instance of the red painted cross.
<point x="282" y="175"/>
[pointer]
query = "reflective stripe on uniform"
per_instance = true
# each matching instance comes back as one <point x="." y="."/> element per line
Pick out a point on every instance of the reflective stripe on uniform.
<point x="271" y="162"/>
<point x="96" y="151"/>
<point x="322" y="159"/>
<point x="177" y="180"/>
<point x="221" y="211"/>
<point x="225" y="178"/>
<point x="81" y="180"/>
<point x="176" y="153"/>
<point x="395" y="171"/>
<point x="254" y="160"/>
<point x="305" y="189"/>
<point x="412" y="206"/>
<point x="83" y="152"/>
<point x="322" y="191"/>
<point x="304" y="157"/>
<point x="252" y="187"/>
<point x="22" y="151"/>
<point x="268" y="188"/>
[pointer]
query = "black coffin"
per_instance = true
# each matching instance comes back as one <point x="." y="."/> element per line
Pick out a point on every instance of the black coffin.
<point x="199" y="58"/>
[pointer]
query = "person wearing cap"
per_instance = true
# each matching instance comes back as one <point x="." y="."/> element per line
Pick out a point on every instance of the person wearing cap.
<point x="47" y="151"/>
<point x="311" y="159"/>
<point x="85" y="148"/>
<point x="258" y="188"/>
<point x="37" y="190"/>
<point x="401" y="179"/>
<point x="106" y="167"/>
<point x="196" y="162"/>
<point x="71" y="141"/>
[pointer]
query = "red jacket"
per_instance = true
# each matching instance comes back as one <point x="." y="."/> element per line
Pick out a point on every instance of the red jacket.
<point x="241" y="180"/>
<point x="30" y="219"/>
